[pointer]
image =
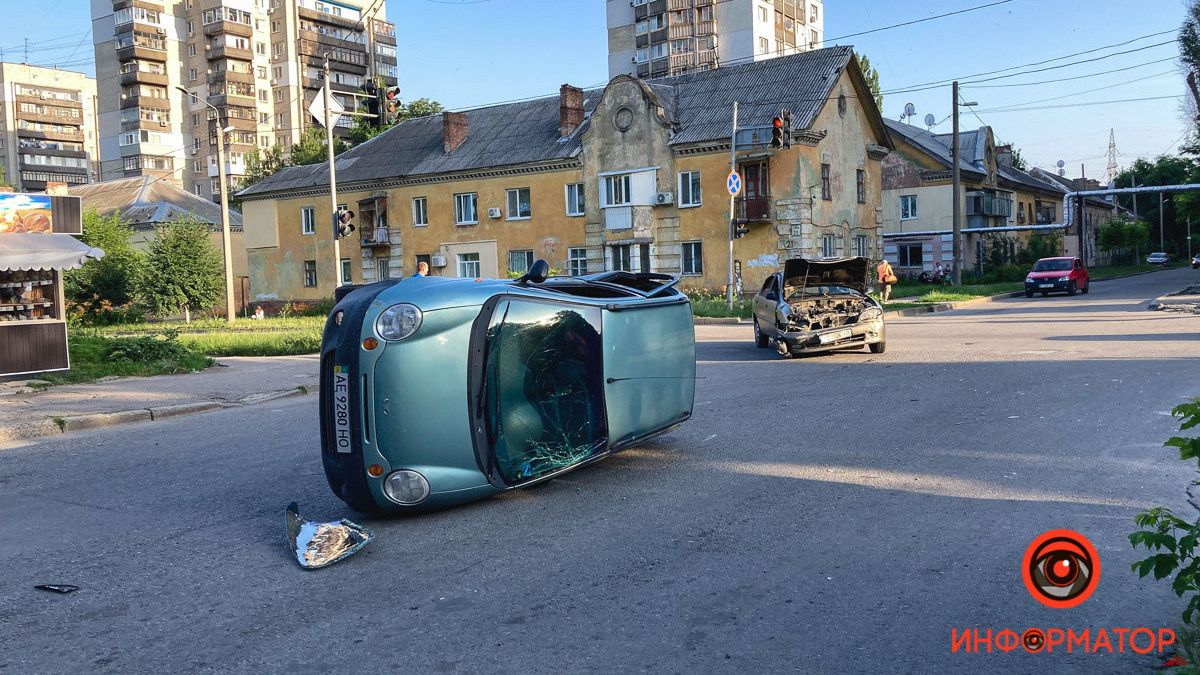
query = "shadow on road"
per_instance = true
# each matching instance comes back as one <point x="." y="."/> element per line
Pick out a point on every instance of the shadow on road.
<point x="1129" y="337"/>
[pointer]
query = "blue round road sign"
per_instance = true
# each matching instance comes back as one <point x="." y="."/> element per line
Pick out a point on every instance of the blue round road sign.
<point x="734" y="183"/>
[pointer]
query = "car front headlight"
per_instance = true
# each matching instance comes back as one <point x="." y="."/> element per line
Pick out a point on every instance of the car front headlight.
<point x="1029" y="280"/>
<point x="1064" y="278"/>
<point x="398" y="321"/>
<point x="406" y="487"/>
<point x="870" y="314"/>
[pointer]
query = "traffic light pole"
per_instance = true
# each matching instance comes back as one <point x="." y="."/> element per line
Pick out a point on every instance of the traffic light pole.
<point x="333" y="201"/>
<point x="732" y="206"/>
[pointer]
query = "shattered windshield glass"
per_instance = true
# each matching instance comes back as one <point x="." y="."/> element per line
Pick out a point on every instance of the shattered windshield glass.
<point x="544" y="389"/>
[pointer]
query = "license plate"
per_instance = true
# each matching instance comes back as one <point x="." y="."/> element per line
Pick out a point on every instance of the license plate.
<point x="341" y="408"/>
<point x="1045" y="285"/>
<point x="835" y="336"/>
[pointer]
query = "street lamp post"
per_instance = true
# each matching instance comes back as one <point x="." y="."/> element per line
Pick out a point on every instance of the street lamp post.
<point x="956" y="187"/>
<point x="225" y="244"/>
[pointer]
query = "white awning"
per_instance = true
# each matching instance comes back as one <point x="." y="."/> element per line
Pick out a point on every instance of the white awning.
<point x="36" y="251"/>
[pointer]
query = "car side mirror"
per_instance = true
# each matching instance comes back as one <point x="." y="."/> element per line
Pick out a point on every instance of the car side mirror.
<point x="537" y="273"/>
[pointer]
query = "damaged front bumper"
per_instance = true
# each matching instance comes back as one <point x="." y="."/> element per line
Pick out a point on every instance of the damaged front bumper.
<point x="838" y="337"/>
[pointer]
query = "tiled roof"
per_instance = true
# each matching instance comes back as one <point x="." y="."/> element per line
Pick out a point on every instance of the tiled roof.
<point x="145" y="201"/>
<point x="699" y="105"/>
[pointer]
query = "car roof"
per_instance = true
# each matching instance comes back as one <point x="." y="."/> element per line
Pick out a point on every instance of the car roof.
<point x="1058" y="257"/>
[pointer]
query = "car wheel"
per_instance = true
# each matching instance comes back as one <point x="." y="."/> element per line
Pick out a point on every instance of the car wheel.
<point x="1029" y="294"/>
<point x="1071" y="289"/>
<point x="877" y="347"/>
<point x="1045" y="294"/>
<point x="761" y="341"/>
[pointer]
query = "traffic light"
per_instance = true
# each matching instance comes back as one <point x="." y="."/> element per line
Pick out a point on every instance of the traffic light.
<point x="777" y="132"/>
<point x="371" y="103"/>
<point x="381" y="108"/>
<point x="787" y="129"/>
<point x="392" y="102"/>
<point x="738" y="228"/>
<point x="343" y="223"/>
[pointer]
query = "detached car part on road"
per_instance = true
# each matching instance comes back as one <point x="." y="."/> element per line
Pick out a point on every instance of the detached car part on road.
<point x="438" y="391"/>
<point x="819" y="305"/>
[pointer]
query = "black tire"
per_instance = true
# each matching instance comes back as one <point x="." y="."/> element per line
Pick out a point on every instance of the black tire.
<point x="761" y="341"/>
<point x="1045" y="294"/>
<point x="1029" y="294"/>
<point x="1071" y="289"/>
<point x="877" y="347"/>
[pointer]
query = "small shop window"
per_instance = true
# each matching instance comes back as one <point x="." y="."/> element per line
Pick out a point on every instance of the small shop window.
<point x="27" y="295"/>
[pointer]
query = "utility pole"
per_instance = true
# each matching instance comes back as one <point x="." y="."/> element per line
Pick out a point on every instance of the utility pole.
<point x="1162" y="244"/>
<point x="333" y="201"/>
<point x="1189" y="222"/>
<point x="956" y="185"/>
<point x="732" y="207"/>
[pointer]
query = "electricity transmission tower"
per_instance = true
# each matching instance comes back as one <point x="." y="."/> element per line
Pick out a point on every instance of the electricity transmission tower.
<point x="1110" y="174"/>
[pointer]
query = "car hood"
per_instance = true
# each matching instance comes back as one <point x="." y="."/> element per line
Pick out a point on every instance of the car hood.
<point x="1052" y="274"/>
<point x="849" y="272"/>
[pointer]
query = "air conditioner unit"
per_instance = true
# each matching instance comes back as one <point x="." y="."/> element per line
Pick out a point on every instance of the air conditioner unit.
<point x="438" y="261"/>
<point x="195" y="150"/>
<point x="493" y="213"/>
<point x="664" y="198"/>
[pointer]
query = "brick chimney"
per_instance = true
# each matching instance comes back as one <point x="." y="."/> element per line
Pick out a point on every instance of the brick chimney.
<point x="1004" y="155"/>
<point x="570" y="109"/>
<point x="454" y="130"/>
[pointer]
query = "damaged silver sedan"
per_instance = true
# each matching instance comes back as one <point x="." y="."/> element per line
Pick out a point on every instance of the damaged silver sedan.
<point x="819" y="305"/>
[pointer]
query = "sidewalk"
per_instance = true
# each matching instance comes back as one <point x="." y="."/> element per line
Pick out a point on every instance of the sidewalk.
<point x="27" y="413"/>
<point x="1186" y="300"/>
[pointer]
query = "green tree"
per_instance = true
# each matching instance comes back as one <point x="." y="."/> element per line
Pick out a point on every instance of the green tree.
<point x="185" y="271"/>
<point x="262" y="163"/>
<point x="1189" y="53"/>
<point x="1123" y="240"/>
<point x="101" y="288"/>
<point x="1163" y="170"/>
<point x="312" y="148"/>
<point x="4" y="181"/>
<point x="364" y="129"/>
<point x="872" y="77"/>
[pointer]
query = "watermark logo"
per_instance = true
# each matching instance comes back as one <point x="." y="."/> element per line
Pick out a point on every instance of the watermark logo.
<point x="1061" y="569"/>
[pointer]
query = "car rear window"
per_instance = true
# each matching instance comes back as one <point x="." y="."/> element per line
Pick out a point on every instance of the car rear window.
<point x="544" y="388"/>
<point x="1051" y="265"/>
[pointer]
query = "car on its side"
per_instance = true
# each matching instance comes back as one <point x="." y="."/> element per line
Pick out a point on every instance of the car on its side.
<point x="1158" y="258"/>
<point x="1057" y="275"/>
<point x="819" y="305"/>
<point x="438" y="391"/>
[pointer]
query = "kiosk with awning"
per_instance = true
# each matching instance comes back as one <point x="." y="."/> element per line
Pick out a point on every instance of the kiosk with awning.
<point x="36" y="246"/>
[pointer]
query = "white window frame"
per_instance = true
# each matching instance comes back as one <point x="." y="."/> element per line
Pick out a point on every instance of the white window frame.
<point x="527" y="253"/>
<point x="642" y="55"/>
<point x="659" y="50"/>
<point x="627" y="248"/>
<point x="764" y="45"/>
<point x="464" y="259"/>
<point x="461" y="201"/>
<point x="908" y="205"/>
<point x="697" y="256"/>
<point x="862" y="245"/>
<point x="308" y="220"/>
<point x="509" y="194"/>
<point x="619" y="185"/>
<point x="828" y="245"/>
<point x="573" y="196"/>
<point x="577" y="261"/>
<point x="420" y="211"/>
<point x="695" y="192"/>
<point x="347" y="271"/>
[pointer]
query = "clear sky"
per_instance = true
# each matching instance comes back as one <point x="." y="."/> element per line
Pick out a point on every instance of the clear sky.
<point x="470" y="52"/>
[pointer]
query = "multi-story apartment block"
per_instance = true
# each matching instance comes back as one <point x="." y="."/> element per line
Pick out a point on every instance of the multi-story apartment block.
<point x="659" y="38"/>
<point x="257" y="62"/>
<point x="47" y="126"/>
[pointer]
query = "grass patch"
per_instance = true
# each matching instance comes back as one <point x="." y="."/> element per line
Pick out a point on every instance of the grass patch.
<point x="96" y="356"/>
<point x="277" y="336"/>
<point x="1097" y="273"/>
<point x="707" y="305"/>
<point x="274" y="324"/>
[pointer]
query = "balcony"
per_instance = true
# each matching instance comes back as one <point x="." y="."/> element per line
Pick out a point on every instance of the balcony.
<point x="230" y="76"/>
<point x="618" y="218"/>
<point x="681" y="31"/>
<point x="50" y="119"/>
<point x="155" y="51"/>
<point x="149" y="125"/>
<point x="754" y="209"/>
<point x="706" y="27"/>
<point x="340" y="22"/>
<point x="229" y="27"/>
<point x="675" y="5"/>
<point x="706" y="57"/>
<point x="377" y="238"/>
<point x="144" y="77"/>
<point x="75" y="136"/>
<point x="682" y="61"/>
<point x="214" y="53"/>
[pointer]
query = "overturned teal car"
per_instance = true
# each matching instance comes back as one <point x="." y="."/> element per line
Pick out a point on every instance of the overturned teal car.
<point x="438" y="391"/>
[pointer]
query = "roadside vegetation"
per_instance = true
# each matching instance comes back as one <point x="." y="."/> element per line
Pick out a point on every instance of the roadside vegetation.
<point x="94" y="356"/>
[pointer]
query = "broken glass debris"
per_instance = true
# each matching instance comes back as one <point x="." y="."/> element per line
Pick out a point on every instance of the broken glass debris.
<point x="57" y="588"/>
<point x="316" y="545"/>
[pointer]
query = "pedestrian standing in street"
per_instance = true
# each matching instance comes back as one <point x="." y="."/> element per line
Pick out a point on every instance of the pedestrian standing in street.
<point x="887" y="277"/>
<point x="422" y="269"/>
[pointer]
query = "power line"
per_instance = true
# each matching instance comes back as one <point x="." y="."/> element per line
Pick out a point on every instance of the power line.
<point x="915" y="21"/>
<point x="1077" y="77"/>
<point x="1082" y="105"/>
<point x="1080" y="93"/>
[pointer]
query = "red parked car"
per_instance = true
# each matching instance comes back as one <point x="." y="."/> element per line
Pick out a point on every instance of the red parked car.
<point x="1057" y="275"/>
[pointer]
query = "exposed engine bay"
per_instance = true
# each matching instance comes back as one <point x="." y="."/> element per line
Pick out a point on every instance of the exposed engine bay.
<point x="814" y="311"/>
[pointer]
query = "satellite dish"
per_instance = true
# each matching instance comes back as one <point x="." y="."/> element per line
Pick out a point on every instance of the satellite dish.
<point x="1060" y="164"/>
<point x="930" y="120"/>
<point x="909" y="110"/>
<point x="1062" y="172"/>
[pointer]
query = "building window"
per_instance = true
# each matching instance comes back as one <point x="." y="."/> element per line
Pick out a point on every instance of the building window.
<point x="658" y="51"/>
<point x="861" y="182"/>
<point x="826" y="188"/>
<point x="908" y="207"/>
<point x="763" y="14"/>
<point x="909" y="255"/>
<point x="383" y="268"/>
<point x="693" y="257"/>
<point x="468" y="265"/>
<point x="577" y="261"/>
<point x="518" y="204"/>
<point x="575" y="199"/>
<point x="310" y="273"/>
<point x="621" y="258"/>
<point x="828" y="245"/>
<point x="192" y="74"/>
<point x="617" y="190"/>
<point x="641" y="28"/>
<point x="862" y="246"/>
<point x="346" y="276"/>
<point x="308" y="220"/>
<point x="275" y="26"/>
<point x="520" y="261"/>
<point x="689" y="188"/>
<point x="420" y="212"/>
<point x="813" y="14"/>
<point x="191" y="50"/>
<point x="642" y="55"/>
<point x="764" y="45"/>
<point x="464" y="209"/>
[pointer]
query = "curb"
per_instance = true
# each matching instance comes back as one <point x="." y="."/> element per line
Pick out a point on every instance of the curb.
<point x="62" y="425"/>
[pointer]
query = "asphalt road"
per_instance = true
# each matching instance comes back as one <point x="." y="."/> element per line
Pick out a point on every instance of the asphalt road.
<point x="831" y="514"/>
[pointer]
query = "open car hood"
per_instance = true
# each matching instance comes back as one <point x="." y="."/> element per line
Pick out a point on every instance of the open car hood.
<point x="849" y="272"/>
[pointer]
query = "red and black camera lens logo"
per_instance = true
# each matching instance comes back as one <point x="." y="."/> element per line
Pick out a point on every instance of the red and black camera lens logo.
<point x="1061" y="568"/>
